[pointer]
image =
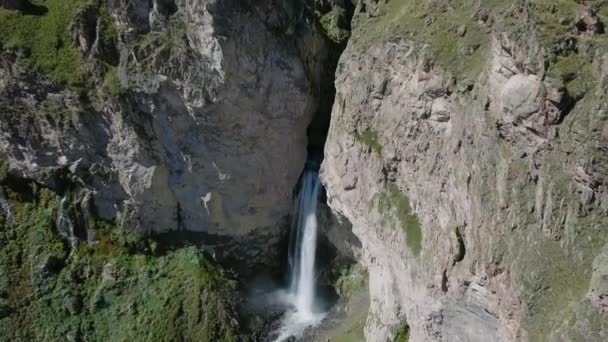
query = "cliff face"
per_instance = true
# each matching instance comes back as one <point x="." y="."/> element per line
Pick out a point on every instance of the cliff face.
<point x="468" y="148"/>
<point x="151" y="117"/>
<point x="187" y="115"/>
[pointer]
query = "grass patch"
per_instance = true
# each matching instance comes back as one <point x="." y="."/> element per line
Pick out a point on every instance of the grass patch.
<point x="353" y="333"/>
<point x="111" y="83"/>
<point x="335" y="25"/>
<point x="352" y="278"/>
<point x="403" y="335"/>
<point x="436" y="25"/>
<point x="577" y="76"/>
<point x="112" y="290"/>
<point x="45" y="38"/>
<point x="392" y="204"/>
<point x="370" y="138"/>
<point x="552" y="285"/>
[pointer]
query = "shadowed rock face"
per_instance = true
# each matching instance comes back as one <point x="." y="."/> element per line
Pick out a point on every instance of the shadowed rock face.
<point x="23" y="6"/>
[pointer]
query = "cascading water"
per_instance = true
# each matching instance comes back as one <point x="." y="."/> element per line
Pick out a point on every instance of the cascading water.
<point x="303" y="244"/>
<point x="301" y="259"/>
<point x="6" y="208"/>
<point x="65" y="226"/>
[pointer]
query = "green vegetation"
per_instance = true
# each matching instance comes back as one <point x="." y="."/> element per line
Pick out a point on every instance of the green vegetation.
<point x="552" y="285"/>
<point x="451" y="30"/>
<point x="335" y="24"/>
<point x="353" y="333"/>
<point x="45" y="38"/>
<point x="555" y="266"/>
<point x="369" y="137"/>
<point x="577" y="76"/>
<point x="112" y="290"/>
<point x="459" y="41"/>
<point x="403" y="335"/>
<point x="553" y="21"/>
<point x="173" y="41"/>
<point x="109" y="31"/>
<point x="351" y="279"/>
<point x="395" y="208"/>
<point x="111" y="83"/>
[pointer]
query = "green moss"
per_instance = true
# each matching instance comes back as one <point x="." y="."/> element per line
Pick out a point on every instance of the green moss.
<point x="369" y="137"/>
<point x="546" y="16"/>
<point x="351" y="279"/>
<point x="46" y="38"/>
<point x="552" y="285"/>
<point x="403" y="335"/>
<point x="109" y="31"/>
<point x="335" y="25"/>
<point x="354" y="333"/>
<point x="393" y="204"/>
<point x="434" y="24"/>
<point x="554" y="275"/>
<point x="111" y="84"/>
<point x="577" y="76"/>
<point x="108" y="291"/>
<point x="27" y="252"/>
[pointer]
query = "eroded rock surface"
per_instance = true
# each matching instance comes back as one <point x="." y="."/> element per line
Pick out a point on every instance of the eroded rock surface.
<point x="477" y="190"/>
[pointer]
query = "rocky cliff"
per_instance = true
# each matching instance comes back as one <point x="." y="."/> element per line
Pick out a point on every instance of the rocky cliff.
<point x="468" y="147"/>
<point x="151" y="117"/>
<point x="167" y="115"/>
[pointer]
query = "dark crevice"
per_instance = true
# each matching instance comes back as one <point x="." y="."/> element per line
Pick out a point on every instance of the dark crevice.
<point x="322" y="76"/>
<point x="461" y="247"/>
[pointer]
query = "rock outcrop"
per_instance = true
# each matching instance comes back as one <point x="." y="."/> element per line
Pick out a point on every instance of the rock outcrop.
<point x="472" y="165"/>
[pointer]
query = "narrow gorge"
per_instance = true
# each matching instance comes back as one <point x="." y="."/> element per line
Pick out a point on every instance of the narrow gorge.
<point x="306" y="170"/>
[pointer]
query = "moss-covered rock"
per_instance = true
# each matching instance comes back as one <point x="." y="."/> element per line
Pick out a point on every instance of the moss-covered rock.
<point x="370" y="138"/>
<point x="394" y="208"/>
<point x="335" y="25"/>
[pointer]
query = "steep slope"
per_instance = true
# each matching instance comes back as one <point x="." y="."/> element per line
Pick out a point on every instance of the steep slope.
<point x="468" y="147"/>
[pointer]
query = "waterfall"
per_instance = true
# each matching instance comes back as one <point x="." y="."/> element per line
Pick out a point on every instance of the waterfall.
<point x="303" y="244"/>
<point x="300" y="294"/>
<point x="6" y="208"/>
<point x="65" y="227"/>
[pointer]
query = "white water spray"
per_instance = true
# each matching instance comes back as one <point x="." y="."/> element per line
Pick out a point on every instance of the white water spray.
<point x="303" y="245"/>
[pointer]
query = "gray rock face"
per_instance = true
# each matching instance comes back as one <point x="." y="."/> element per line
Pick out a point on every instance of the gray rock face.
<point x="211" y="134"/>
<point x="479" y="208"/>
